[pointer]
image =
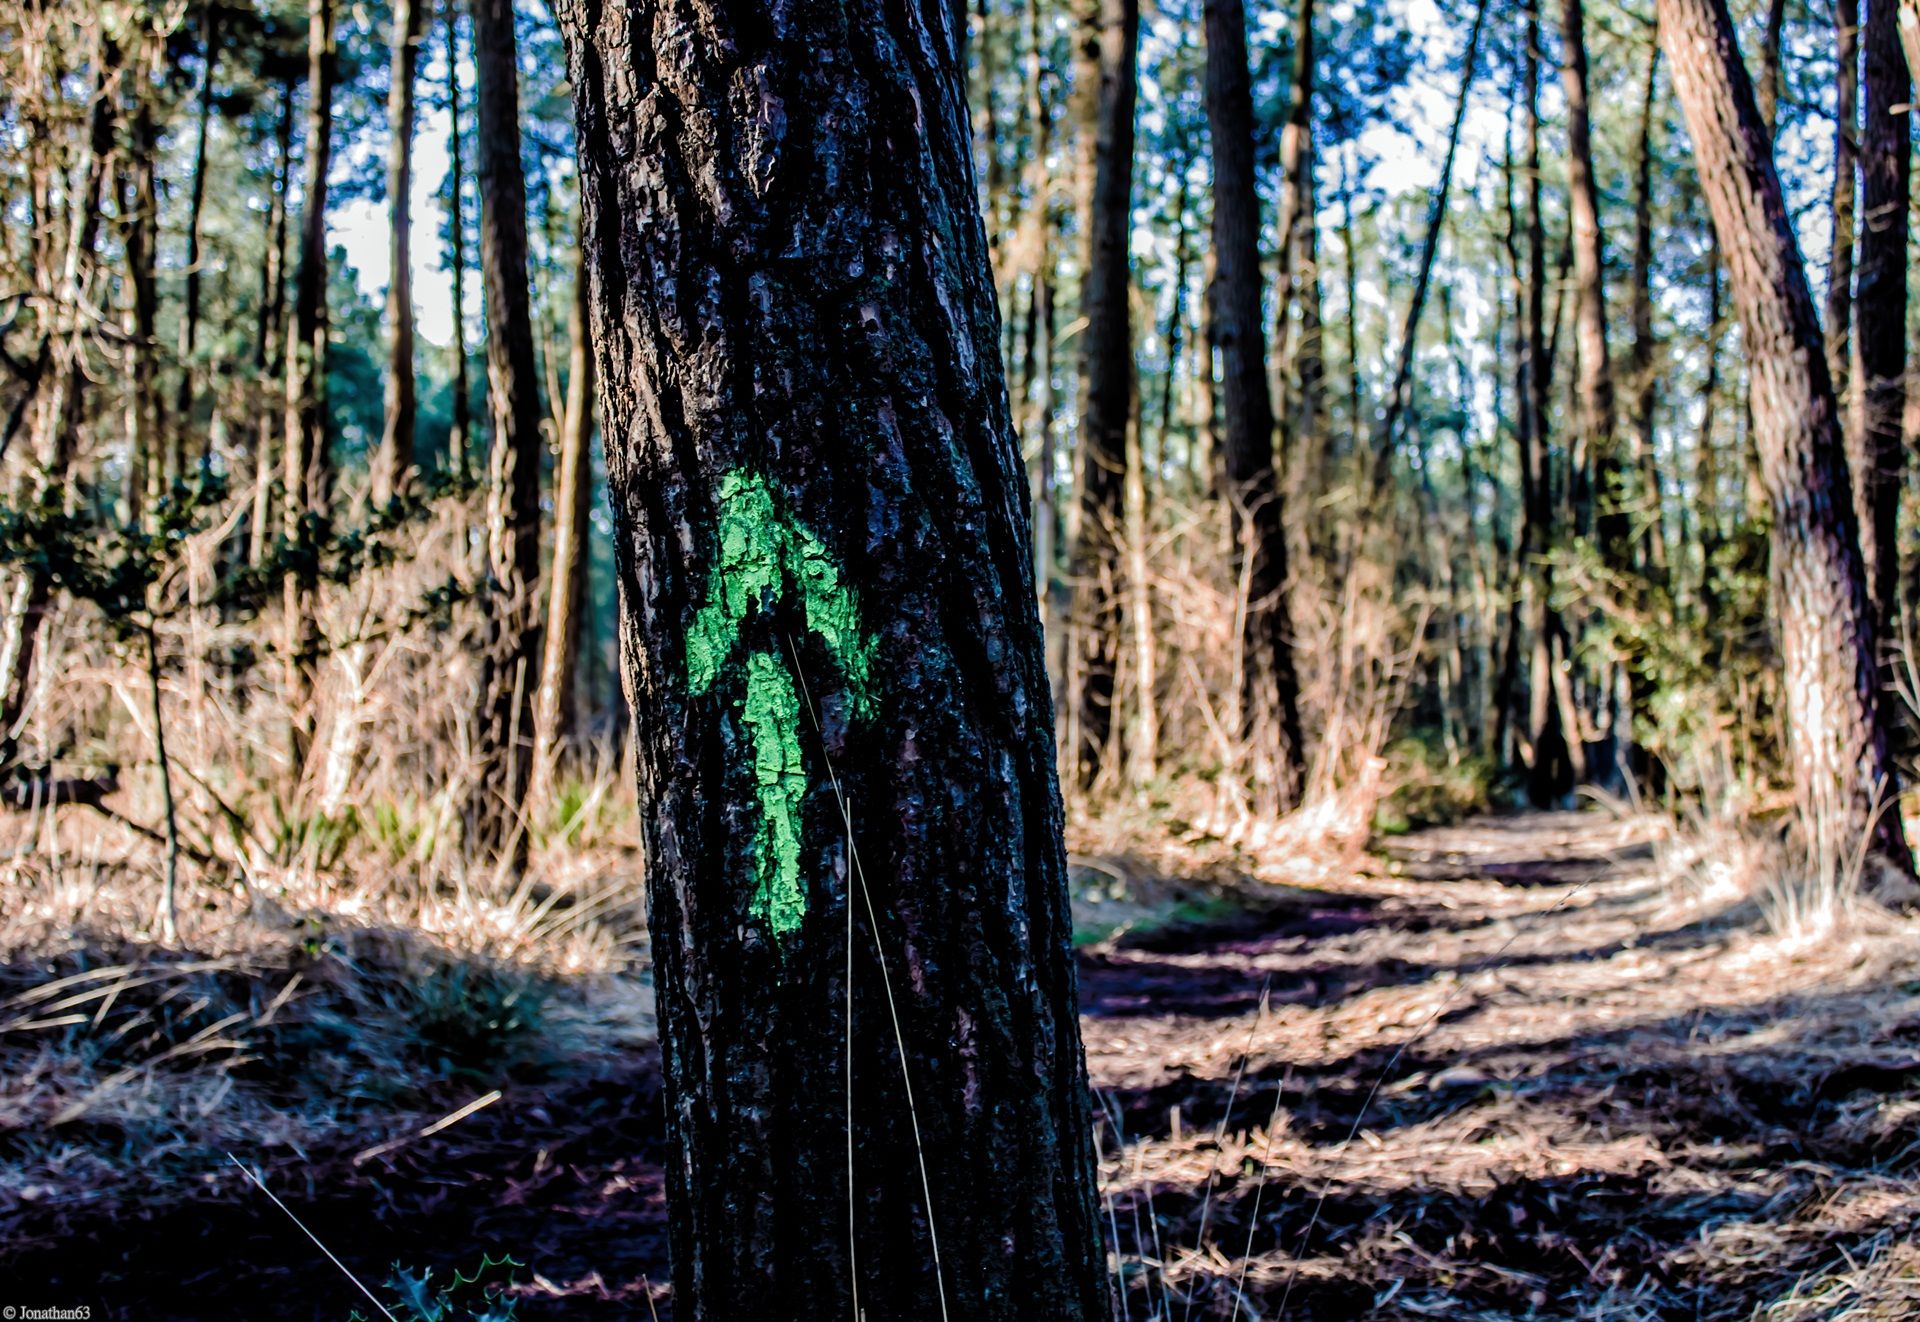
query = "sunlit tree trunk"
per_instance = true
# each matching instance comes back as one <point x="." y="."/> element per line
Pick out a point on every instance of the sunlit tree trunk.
<point x="510" y="650"/>
<point x="567" y="583"/>
<point x="1827" y="627"/>
<point x="1106" y="377"/>
<point x="1269" y="689"/>
<point x="832" y="652"/>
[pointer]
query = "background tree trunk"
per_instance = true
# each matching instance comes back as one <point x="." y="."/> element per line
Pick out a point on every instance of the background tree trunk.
<point x="183" y="403"/>
<point x="394" y="460"/>
<point x="308" y="465"/>
<point x="460" y="438"/>
<point x="553" y="721"/>
<point x="1550" y="771"/>
<point x="1876" y="453"/>
<point x="270" y="326"/>
<point x="1106" y="378"/>
<point x="1270" y="688"/>
<point x="510" y="651"/>
<point x="1846" y="106"/>
<point x="831" y="641"/>
<point x="1827" y="627"/>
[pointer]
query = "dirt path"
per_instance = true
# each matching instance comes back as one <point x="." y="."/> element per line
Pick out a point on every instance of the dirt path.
<point x="1510" y="1077"/>
<point x="1515" y="1078"/>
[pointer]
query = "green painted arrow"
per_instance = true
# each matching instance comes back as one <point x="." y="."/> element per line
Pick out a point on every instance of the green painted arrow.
<point x="761" y="557"/>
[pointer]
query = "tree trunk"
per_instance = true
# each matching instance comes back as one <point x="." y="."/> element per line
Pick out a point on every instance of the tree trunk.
<point x="1269" y="689"/>
<point x="510" y="653"/>
<point x="1827" y="626"/>
<point x="1707" y="469"/>
<point x="553" y="722"/>
<point x="1594" y="389"/>
<point x="1646" y="383"/>
<point x="270" y="329"/>
<point x="393" y="462"/>
<point x="1767" y="86"/>
<point x="196" y="197"/>
<point x="1106" y="377"/>
<point x="1296" y="166"/>
<point x="308" y="464"/>
<point x="831" y="642"/>
<point x="139" y="213"/>
<point x="1846" y="106"/>
<point x="460" y="439"/>
<point x="1877" y="451"/>
<point x="1550" y="773"/>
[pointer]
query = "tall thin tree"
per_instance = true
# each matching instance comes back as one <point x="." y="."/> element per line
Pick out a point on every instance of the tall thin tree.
<point x="1269" y="697"/>
<point x="1106" y="372"/>
<point x="510" y="650"/>
<point x="393" y="461"/>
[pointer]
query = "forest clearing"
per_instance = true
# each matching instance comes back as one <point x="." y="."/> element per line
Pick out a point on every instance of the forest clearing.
<point x="962" y="660"/>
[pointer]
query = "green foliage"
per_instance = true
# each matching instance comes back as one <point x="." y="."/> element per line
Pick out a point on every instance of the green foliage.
<point x="480" y="1297"/>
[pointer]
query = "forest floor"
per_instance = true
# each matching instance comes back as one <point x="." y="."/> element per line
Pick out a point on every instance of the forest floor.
<point x="1508" y="1069"/>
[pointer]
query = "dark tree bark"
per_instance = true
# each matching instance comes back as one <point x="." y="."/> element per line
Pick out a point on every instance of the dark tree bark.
<point x="1838" y="738"/>
<point x="196" y="200"/>
<point x="510" y="651"/>
<point x="831" y="641"/>
<point x="308" y="469"/>
<point x="1270" y="687"/>
<point x="1106" y="376"/>
<point x="1877" y="450"/>
<point x="393" y="461"/>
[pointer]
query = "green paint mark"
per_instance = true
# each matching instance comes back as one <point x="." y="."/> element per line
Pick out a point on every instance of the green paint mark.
<point x="761" y="557"/>
<point x="773" y="715"/>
